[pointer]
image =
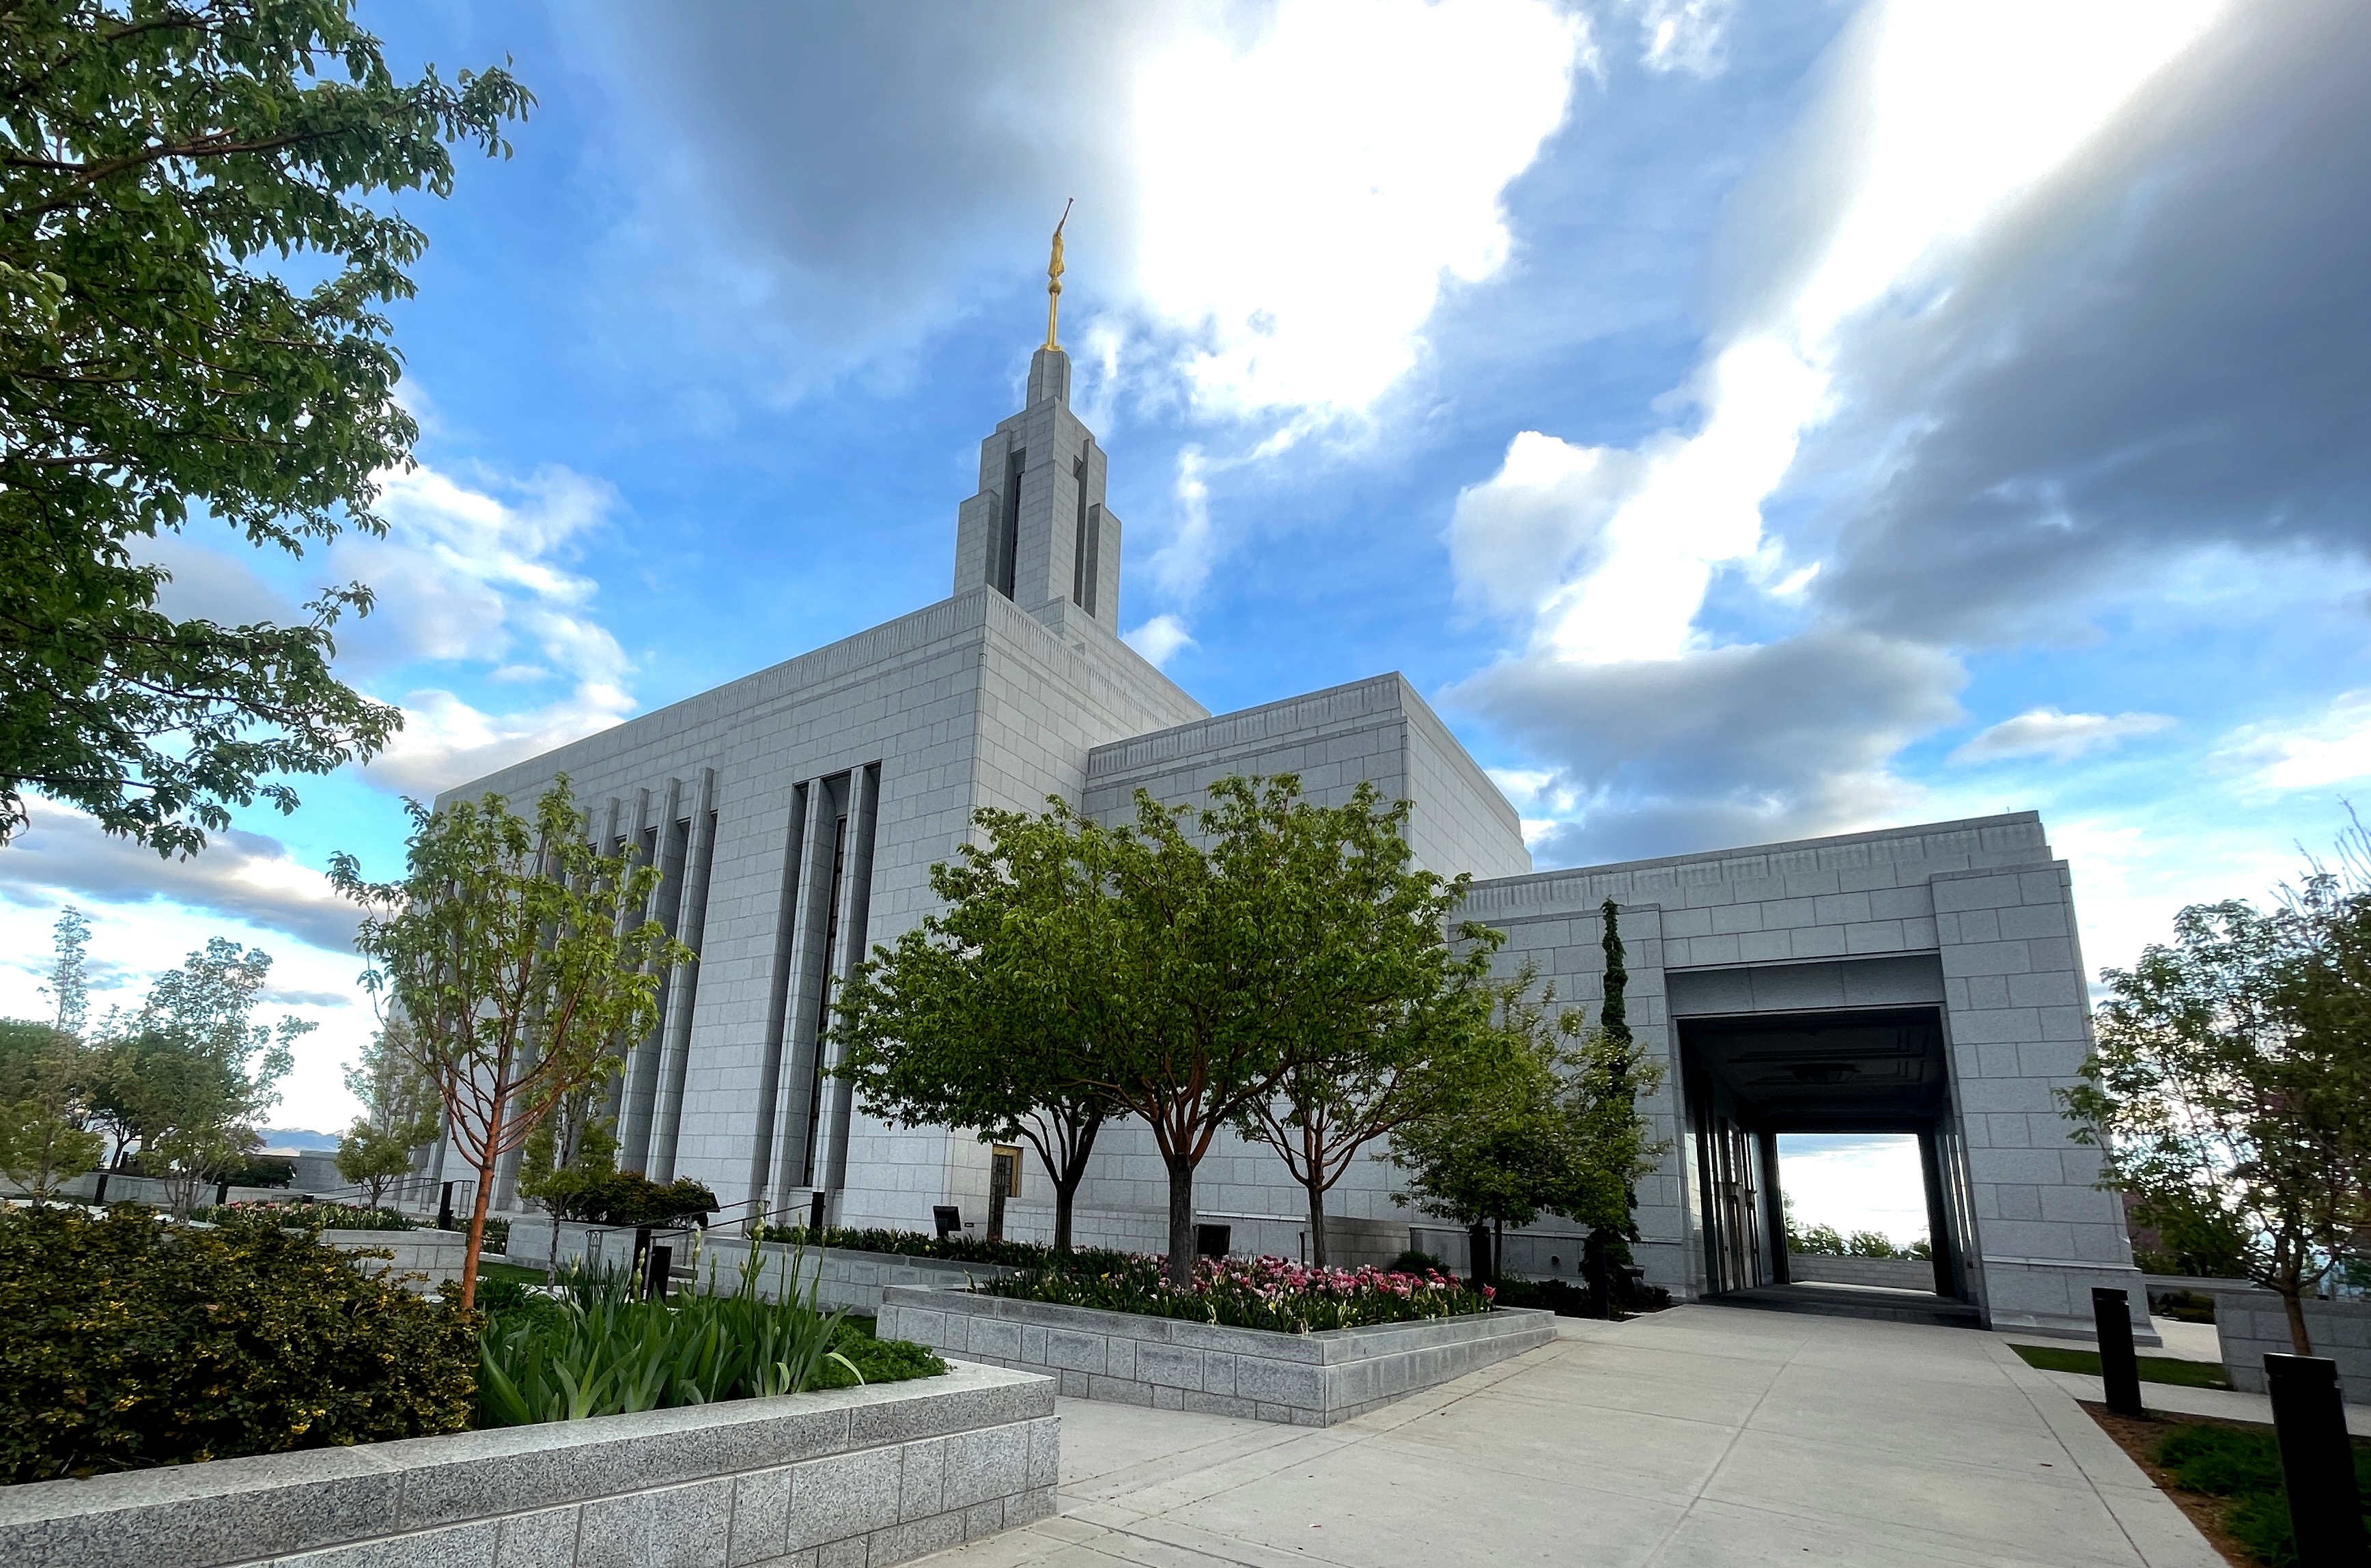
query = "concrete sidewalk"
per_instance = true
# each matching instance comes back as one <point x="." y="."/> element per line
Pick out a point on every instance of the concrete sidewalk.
<point x="1703" y="1435"/>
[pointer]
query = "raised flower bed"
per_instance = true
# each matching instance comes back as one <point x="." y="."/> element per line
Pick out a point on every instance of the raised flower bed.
<point x="872" y="1475"/>
<point x="1265" y="1339"/>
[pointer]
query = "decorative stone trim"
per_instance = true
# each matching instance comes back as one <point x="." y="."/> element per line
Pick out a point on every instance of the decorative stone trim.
<point x="851" y="1478"/>
<point x="1304" y="1379"/>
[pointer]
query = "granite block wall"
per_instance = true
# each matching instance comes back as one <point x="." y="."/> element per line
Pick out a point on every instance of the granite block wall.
<point x="859" y="1477"/>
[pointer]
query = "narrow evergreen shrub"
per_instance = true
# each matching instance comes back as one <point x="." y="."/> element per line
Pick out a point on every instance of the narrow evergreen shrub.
<point x="127" y="1343"/>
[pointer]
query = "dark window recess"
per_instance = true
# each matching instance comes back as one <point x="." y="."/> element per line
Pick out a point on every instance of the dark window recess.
<point x="823" y="992"/>
<point x="1079" y="577"/>
<point x="1008" y="530"/>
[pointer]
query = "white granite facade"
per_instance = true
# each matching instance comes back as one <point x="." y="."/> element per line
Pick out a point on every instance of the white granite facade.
<point x="796" y="814"/>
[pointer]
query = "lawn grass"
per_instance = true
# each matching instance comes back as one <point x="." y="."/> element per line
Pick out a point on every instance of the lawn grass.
<point x="2154" y="1368"/>
<point x="2225" y="1475"/>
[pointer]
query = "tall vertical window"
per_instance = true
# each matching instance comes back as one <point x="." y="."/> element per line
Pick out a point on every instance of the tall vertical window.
<point x="823" y="992"/>
<point x="1078" y="578"/>
<point x="1008" y="532"/>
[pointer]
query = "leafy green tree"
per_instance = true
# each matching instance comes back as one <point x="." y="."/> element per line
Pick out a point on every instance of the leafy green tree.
<point x="1490" y="1151"/>
<point x="513" y="951"/>
<point x="169" y="171"/>
<point x="2224" y="1092"/>
<point x="1209" y="983"/>
<point x="69" y="987"/>
<point x="1377" y="1004"/>
<point x="993" y="1013"/>
<point x="399" y="1113"/>
<point x="565" y="1157"/>
<point x="187" y="1075"/>
<point x="1544" y="1120"/>
<point x="44" y="1093"/>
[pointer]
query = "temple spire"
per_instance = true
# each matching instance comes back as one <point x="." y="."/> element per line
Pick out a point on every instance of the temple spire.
<point x="1054" y="279"/>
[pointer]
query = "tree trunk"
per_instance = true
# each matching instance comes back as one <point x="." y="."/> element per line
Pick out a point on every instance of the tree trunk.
<point x="477" y="1229"/>
<point x="1479" y="1262"/>
<point x="2293" y="1299"/>
<point x="1181" y="1221"/>
<point x="1317" y="1251"/>
<point x="1065" y="1192"/>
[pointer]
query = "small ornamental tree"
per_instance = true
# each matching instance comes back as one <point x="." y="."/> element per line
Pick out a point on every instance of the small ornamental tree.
<point x="513" y="951"/>
<point x="1000" y="1012"/>
<point x="1543" y="1117"/>
<point x="1374" y="1004"/>
<point x="574" y="1148"/>
<point x="400" y="1112"/>
<point x="2220" y="1096"/>
<point x="192" y="1072"/>
<point x="1488" y="1153"/>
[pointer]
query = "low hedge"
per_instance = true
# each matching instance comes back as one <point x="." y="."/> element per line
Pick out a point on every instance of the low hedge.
<point x="959" y="1247"/>
<point x="127" y="1342"/>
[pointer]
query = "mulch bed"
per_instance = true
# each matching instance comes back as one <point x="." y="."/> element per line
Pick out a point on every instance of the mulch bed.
<point x="2140" y="1438"/>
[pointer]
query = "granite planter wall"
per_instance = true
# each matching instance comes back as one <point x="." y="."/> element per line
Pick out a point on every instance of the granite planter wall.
<point x="424" y="1259"/>
<point x="1169" y="1363"/>
<point x="853" y="1478"/>
<point x="853" y="1280"/>
<point x="1892" y="1274"/>
<point x="2251" y="1323"/>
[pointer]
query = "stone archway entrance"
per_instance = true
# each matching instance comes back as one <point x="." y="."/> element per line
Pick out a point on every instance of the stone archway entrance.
<point x="1748" y="1078"/>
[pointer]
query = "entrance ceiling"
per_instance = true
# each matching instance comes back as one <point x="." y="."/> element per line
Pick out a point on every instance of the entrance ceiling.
<point x="1814" y="1072"/>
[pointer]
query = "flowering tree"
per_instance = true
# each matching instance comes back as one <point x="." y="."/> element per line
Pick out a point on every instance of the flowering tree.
<point x="521" y="960"/>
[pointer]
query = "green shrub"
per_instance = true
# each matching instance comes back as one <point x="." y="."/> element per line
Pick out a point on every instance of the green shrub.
<point x="1417" y="1261"/>
<point x="875" y="1360"/>
<point x="127" y="1342"/>
<point x="628" y="1197"/>
<point x="498" y="1235"/>
<point x="960" y="1248"/>
<point x="306" y="1214"/>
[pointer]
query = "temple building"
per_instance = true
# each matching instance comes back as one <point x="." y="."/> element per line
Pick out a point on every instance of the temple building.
<point x="1922" y="979"/>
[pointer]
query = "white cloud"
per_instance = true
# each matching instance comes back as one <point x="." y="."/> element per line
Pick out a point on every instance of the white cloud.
<point x="480" y="575"/>
<point x="1302" y="195"/>
<point x="2046" y="732"/>
<point x="2335" y="748"/>
<point x="1160" y="638"/>
<point x="1941" y="118"/>
<point x="62" y="855"/>
<point x="1682" y="35"/>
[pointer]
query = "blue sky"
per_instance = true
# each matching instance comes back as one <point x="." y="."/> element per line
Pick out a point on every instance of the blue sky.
<point x="1745" y="421"/>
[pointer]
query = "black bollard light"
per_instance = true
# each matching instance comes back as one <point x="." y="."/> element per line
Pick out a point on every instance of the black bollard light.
<point x="444" y="1209"/>
<point x="815" y="1220"/>
<point x="662" y="1265"/>
<point x="221" y="1193"/>
<point x="2317" y="1461"/>
<point x="2120" y="1366"/>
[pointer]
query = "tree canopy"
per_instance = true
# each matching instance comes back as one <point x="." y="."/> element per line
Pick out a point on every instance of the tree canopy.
<point x="1000" y="1013"/>
<point x="1544" y="1119"/>
<point x="195" y="246"/>
<point x="2225" y="1090"/>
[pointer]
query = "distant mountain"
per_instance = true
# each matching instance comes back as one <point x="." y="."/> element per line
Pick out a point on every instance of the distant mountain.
<point x="297" y="1138"/>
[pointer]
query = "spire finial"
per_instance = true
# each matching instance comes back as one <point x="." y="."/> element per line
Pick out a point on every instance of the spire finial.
<point x="1054" y="279"/>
